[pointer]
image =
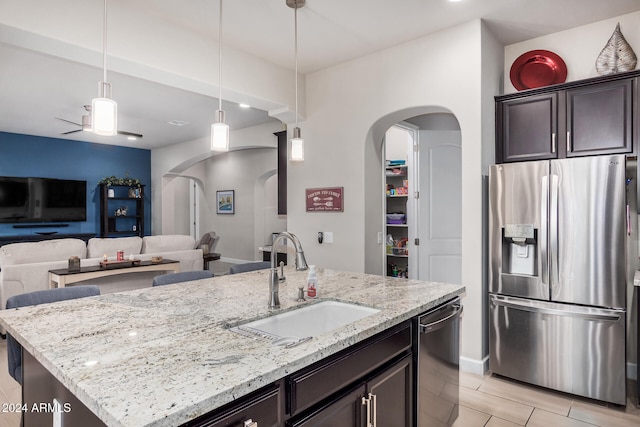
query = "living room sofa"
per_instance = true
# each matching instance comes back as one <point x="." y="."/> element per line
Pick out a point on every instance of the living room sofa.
<point x="24" y="267"/>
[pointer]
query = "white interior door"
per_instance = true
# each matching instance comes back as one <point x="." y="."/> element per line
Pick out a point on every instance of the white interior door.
<point x="440" y="206"/>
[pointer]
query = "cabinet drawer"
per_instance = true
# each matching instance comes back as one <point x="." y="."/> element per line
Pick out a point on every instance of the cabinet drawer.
<point x="264" y="406"/>
<point x="329" y="376"/>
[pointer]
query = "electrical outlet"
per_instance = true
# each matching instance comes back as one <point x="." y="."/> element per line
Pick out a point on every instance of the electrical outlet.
<point x="379" y="237"/>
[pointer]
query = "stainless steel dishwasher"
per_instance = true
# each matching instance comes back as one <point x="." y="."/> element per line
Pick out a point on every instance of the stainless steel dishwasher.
<point x="438" y="365"/>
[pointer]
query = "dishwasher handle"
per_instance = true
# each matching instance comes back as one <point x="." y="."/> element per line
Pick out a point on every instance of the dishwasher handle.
<point x="426" y="328"/>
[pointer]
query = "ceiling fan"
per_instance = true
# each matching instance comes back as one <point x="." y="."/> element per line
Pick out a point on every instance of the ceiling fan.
<point x="86" y="125"/>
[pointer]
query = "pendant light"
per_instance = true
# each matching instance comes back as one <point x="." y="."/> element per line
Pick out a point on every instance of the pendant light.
<point x="104" y="110"/>
<point x="297" y="143"/>
<point x="220" y="130"/>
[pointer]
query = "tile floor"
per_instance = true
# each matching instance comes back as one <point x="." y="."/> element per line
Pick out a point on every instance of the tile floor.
<point x="494" y="401"/>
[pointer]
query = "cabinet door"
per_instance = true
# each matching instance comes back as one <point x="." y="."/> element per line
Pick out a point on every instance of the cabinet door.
<point x="527" y="128"/>
<point x="345" y="411"/>
<point x="393" y="391"/>
<point x="599" y="119"/>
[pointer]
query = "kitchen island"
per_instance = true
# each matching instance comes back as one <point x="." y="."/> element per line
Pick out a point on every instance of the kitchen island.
<point x="164" y="356"/>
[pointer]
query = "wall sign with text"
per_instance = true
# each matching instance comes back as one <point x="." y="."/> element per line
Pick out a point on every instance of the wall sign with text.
<point x="324" y="199"/>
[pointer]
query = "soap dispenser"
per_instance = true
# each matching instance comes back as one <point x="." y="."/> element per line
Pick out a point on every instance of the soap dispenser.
<point x="312" y="282"/>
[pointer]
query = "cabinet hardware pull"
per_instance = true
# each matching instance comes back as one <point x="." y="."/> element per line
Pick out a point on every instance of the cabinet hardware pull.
<point x="569" y="149"/>
<point x="553" y="142"/>
<point x="367" y="402"/>
<point x="250" y="423"/>
<point x="374" y="422"/>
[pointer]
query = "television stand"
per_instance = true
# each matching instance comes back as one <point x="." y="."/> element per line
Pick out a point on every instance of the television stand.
<point x="40" y="225"/>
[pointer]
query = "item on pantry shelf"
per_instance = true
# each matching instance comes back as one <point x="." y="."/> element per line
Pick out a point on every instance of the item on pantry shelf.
<point x="396" y="218"/>
<point x="156" y="259"/>
<point x="312" y="282"/>
<point x="396" y="162"/>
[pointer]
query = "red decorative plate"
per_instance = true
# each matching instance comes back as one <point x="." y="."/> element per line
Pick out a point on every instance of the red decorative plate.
<point x="537" y="68"/>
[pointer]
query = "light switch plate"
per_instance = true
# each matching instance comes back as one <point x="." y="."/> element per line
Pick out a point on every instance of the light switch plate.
<point x="328" y="236"/>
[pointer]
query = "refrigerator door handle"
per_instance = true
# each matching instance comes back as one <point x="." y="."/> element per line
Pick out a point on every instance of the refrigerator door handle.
<point x="567" y="311"/>
<point x="544" y="229"/>
<point x="553" y="233"/>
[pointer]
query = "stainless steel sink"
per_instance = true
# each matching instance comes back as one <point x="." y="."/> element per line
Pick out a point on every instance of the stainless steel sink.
<point x="298" y="325"/>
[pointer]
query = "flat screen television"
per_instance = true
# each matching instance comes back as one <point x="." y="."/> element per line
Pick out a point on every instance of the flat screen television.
<point x="38" y="200"/>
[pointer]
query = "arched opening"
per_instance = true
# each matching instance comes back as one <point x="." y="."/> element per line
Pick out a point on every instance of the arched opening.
<point x="435" y="200"/>
<point x="189" y="194"/>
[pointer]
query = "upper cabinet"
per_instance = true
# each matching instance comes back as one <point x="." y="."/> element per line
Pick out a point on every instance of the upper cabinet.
<point x="599" y="119"/>
<point x="589" y="117"/>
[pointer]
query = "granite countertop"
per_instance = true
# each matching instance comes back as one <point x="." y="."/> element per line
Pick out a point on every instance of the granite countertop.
<point x="162" y="356"/>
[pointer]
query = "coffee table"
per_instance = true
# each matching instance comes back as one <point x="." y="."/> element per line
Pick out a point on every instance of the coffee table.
<point x="62" y="277"/>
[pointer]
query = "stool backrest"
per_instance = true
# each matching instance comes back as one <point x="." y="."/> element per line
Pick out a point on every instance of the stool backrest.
<point x="14" y="350"/>
<point x="183" y="276"/>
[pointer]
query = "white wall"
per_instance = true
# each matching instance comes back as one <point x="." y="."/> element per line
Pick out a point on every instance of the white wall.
<point x="349" y="107"/>
<point x="172" y="165"/>
<point x="578" y="47"/>
<point x="240" y="171"/>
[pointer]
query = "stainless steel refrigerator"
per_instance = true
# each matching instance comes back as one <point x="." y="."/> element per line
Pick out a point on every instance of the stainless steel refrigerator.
<point x="557" y="282"/>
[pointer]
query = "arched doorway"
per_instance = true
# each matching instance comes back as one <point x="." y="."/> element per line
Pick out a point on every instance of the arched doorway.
<point x="436" y="192"/>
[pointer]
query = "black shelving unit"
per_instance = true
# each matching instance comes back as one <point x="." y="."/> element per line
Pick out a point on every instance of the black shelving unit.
<point x="112" y="221"/>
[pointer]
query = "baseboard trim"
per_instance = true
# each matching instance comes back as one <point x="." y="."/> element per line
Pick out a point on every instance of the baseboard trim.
<point x="474" y="366"/>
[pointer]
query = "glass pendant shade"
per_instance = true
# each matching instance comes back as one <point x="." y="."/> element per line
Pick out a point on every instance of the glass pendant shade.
<point x="297" y="146"/>
<point x="104" y="116"/>
<point x="219" y="133"/>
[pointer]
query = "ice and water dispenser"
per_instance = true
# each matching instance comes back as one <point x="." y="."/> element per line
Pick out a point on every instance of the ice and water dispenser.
<point x="519" y="249"/>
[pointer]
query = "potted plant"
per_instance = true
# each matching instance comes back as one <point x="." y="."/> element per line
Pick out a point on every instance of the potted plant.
<point x="126" y="181"/>
<point x="134" y="185"/>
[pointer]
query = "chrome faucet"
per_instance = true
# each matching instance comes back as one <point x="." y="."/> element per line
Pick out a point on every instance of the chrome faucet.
<point x="274" y="282"/>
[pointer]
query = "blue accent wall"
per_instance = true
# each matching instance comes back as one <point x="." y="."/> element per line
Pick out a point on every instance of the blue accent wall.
<point x="35" y="156"/>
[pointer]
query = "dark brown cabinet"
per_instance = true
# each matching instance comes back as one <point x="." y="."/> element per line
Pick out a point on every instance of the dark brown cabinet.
<point x="599" y="119"/>
<point x="346" y="410"/>
<point x="385" y="398"/>
<point x="121" y="210"/>
<point x="392" y="391"/>
<point x="588" y="117"/>
<point x="527" y="128"/>
<point x="263" y="408"/>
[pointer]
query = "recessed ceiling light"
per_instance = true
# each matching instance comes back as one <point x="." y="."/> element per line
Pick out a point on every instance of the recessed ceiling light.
<point x="131" y="138"/>
<point x="244" y="105"/>
<point x="177" y="123"/>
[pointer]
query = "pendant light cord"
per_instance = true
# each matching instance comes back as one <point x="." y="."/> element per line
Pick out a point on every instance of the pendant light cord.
<point x="295" y="20"/>
<point x="220" y="59"/>
<point x="104" y="44"/>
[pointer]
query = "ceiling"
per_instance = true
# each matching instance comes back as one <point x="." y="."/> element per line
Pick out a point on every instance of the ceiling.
<point x="38" y="87"/>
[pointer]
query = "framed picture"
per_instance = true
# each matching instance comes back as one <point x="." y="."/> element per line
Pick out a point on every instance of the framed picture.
<point x="225" y="202"/>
